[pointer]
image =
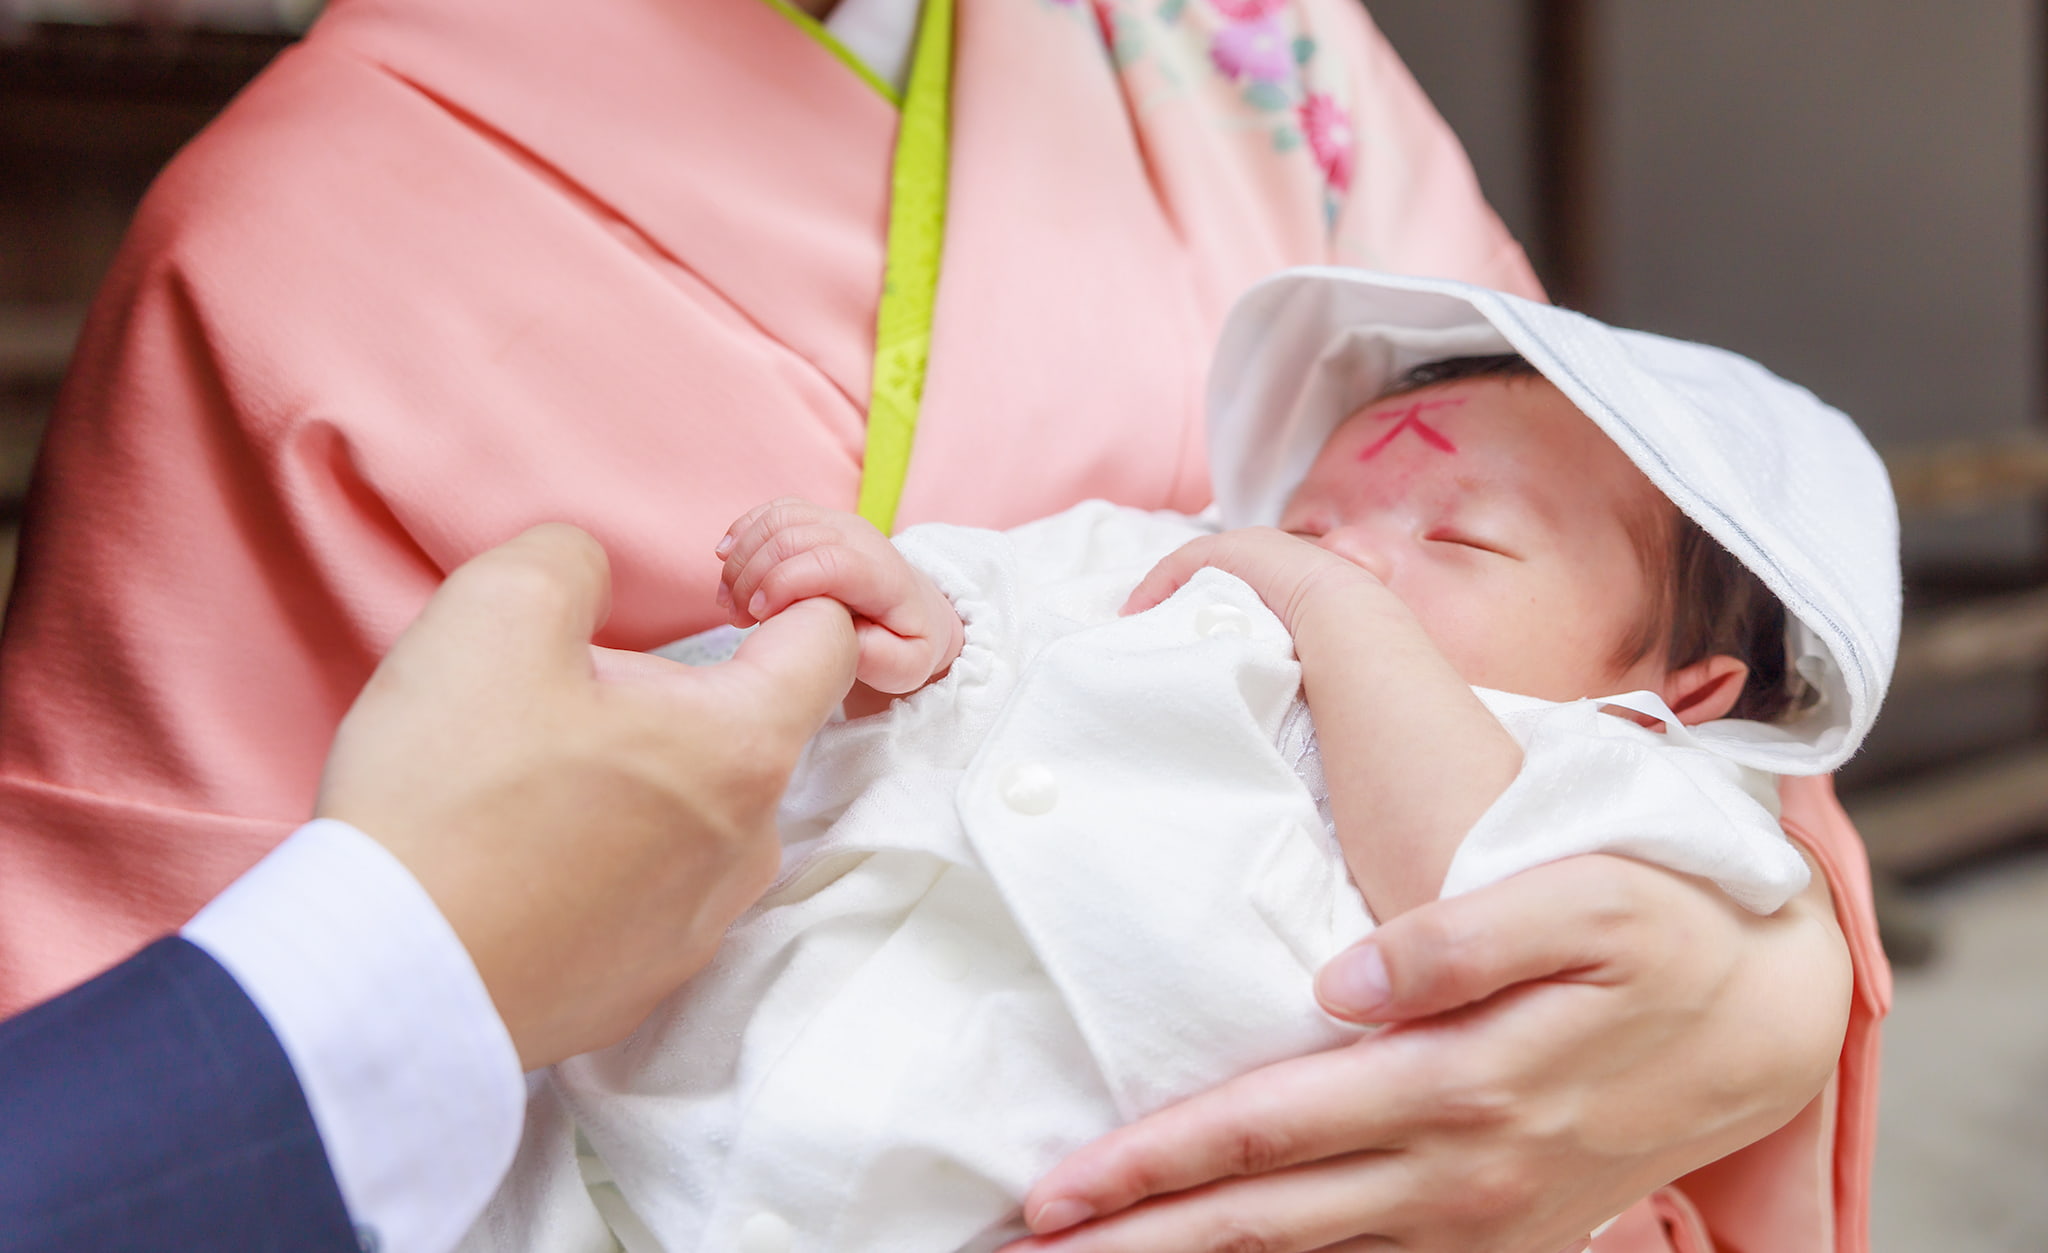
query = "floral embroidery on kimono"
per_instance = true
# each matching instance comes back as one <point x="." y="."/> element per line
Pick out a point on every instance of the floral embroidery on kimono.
<point x="1328" y="127"/>
<point x="1257" y="52"/>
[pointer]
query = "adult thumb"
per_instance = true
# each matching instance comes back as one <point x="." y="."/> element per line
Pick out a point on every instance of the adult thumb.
<point x="1450" y="953"/>
<point x="804" y="658"/>
<point x="528" y="606"/>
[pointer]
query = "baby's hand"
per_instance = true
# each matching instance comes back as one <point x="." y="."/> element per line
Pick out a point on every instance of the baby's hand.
<point x="790" y="550"/>
<point x="1288" y="573"/>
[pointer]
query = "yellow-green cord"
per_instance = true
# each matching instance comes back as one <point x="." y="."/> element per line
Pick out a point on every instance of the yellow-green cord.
<point x="910" y="286"/>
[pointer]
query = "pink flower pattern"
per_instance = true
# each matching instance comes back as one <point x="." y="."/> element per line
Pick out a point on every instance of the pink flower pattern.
<point x="1258" y="50"/>
<point x="1328" y="127"/>
<point x="1247" y="10"/>
<point x="1261" y="50"/>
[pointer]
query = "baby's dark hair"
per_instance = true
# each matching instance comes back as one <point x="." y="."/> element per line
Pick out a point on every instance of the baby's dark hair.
<point x="1712" y="603"/>
<point x="1702" y="600"/>
<point x="1505" y="365"/>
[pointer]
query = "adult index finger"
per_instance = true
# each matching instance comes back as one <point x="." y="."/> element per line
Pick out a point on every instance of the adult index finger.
<point x="1340" y="1205"/>
<point x="1362" y="1097"/>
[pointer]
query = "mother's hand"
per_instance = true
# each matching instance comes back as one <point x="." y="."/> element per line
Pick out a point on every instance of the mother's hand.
<point x="1566" y="1042"/>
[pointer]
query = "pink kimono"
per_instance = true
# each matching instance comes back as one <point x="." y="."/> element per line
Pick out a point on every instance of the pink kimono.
<point x="453" y="267"/>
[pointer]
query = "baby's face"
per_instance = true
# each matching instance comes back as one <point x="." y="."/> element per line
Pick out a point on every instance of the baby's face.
<point x="1501" y="516"/>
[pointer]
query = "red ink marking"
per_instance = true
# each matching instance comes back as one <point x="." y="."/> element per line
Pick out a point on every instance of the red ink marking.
<point x="1411" y="419"/>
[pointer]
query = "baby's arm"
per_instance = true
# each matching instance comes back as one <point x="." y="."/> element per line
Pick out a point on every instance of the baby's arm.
<point x="790" y="550"/>
<point x="1411" y="757"/>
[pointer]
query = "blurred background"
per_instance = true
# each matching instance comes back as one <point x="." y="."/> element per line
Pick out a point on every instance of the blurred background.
<point x="1852" y="191"/>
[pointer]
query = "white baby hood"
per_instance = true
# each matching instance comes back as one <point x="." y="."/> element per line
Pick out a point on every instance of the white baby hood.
<point x="1784" y="481"/>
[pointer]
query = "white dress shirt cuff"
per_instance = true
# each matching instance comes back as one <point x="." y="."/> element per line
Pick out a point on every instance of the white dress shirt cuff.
<point x="407" y="1068"/>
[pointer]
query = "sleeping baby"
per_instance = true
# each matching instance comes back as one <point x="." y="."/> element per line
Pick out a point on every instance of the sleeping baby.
<point x="1495" y="585"/>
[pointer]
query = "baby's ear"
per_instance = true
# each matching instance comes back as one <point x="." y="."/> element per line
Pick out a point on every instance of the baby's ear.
<point x="1705" y="690"/>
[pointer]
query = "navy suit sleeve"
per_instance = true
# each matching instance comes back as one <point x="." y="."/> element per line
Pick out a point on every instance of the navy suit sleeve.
<point x="153" y="1109"/>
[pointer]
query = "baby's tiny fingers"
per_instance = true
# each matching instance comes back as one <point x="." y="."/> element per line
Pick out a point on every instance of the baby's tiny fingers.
<point x="745" y="522"/>
<point x="743" y="574"/>
<point x="762" y="523"/>
<point x="826" y="569"/>
<point x="1166" y="578"/>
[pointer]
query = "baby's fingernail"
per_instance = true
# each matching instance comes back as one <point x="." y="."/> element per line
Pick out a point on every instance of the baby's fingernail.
<point x="724" y="546"/>
<point x="723" y="596"/>
<point x="1354" y="983"/>
<point x="1059" y="1215"/>
<point x="758" y="605"/>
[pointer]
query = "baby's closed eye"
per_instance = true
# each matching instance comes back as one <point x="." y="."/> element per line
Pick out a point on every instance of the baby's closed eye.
<point x="1478" y="543"/>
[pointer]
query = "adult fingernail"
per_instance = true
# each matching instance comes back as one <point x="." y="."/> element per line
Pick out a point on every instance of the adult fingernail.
<point x="1059" y="1215"/>
<point x="723" y="596"/>
<point x="1354" y="983"/>
<point x="724" y="546"/>
<point x="758" y="605"/>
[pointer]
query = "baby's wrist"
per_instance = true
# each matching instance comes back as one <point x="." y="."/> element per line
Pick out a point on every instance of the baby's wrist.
<point x="1342" y="609"/>
<point x="1341" y="591"/>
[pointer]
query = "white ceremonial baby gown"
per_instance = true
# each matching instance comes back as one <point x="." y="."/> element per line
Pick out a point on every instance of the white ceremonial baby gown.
<point x="1081" y="877"/>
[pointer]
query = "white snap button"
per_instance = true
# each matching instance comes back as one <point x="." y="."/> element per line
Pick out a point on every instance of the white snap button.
<point x="767" y="1233"/>
<point x="1216" y="621"/>
<point x="950" y="961"/>
<point x="1029" y="788"/>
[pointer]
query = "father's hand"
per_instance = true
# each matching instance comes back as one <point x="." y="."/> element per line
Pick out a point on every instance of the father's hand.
<point x="588" y="820"/>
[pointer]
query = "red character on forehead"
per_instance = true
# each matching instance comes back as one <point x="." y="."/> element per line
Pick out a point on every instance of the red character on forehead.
<point x="1411" y="419"/>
